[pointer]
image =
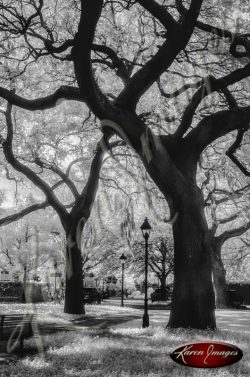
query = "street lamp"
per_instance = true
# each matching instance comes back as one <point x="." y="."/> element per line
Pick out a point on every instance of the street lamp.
<point x="55" y="268"/>
<point x="122" y="260"/>
<point x="146" y="228"/>
<point x="24" y="282"/>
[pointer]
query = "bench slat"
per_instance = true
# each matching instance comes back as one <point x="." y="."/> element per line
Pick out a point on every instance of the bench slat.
<point x="16" y="322"/>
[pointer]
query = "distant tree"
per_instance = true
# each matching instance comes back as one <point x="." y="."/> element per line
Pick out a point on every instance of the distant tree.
<point x="21" y="253"/>
<point x="237" y="260"/>
<point x="228" y="219"/>
<point x="161" y="259"/>
<point x="99" y="249"/>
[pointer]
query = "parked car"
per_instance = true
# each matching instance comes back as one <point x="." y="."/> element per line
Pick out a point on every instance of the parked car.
<point x="235" y="300"/>
<point x="158" y="295"/>
<point x="119" y="293"/>
<point x="105" y="294"/>
<point x="91" y="295"/>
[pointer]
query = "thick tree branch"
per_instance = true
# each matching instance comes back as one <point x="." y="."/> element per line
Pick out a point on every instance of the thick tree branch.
<point x="159" y="12"/>
<point x="236" y="39"/>
<point x="51" y="48"/>
<point x="232" y="233"/>
<point x="217" y="125"/>
<point x="81" y="54"/>
<point x="71" y="164"/>
<point x="17" y="216"/>
<point x="89" y="190"/>
<point x="179" y="91"/>
<point x="34" y="207"/>
<point x="153" y="69"/>
<point x="228" y="219"/>
<point x="211" y="85"/>
<point x="191" y="16"/>
<point x="30" y="174"/>
<point x="232" y="103"/>
<point x="117" y="63"/>
<point x="61" y="174"/>
<point x="236" y="145"/>
<point x="230" y="195"/>
<point x="180" y="7"/>
<point x="84" y="203"/>
<point x="63" y="93"/>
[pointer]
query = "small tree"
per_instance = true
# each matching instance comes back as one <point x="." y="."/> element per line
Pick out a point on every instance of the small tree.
<point x="237" y="260"/>
<point x="161" y="259"/>
<point x="229" y="219"/>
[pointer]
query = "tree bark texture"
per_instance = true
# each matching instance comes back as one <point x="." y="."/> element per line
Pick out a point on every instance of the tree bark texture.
<point x="193" y="300"/>
<point x="219" y="272"/>
<point x="173" y="169"/>
<point x="163" y="285"/>
<point x="75" y="223"/>
<point x="219" y="278"/>
<point x="74" y="280"/>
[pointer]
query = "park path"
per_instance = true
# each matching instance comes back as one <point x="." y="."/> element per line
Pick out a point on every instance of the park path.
<point x="234" y="319"/>
<point x="226" y="320"/>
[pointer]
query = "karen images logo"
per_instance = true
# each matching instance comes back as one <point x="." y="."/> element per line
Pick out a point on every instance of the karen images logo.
<point x="206" y="354"/>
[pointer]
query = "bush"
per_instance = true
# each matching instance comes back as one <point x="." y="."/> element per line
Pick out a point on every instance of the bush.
<point x="36" y="292"/>
<point x="10" y="291"/>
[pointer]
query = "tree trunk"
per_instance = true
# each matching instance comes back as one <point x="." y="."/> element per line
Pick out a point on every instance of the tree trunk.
<point x="74" y="277"/>
<point x="163" y="285"/>
<point x="219" y="277"/>
<point x="23" y="299"/>
<point x="174" y="169"/>
<point x="193" y="300"/>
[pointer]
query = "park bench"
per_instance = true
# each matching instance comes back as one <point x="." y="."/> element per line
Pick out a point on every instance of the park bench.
<point x="10" y="299"/>
<point x="14" y="328"/>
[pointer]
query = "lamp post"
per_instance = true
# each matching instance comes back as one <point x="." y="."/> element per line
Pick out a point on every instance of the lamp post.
<point x="146" y="228"/>
<point x="55" y="268"/>
<point x="122" y="259"/>
<point x="24" y="282"/>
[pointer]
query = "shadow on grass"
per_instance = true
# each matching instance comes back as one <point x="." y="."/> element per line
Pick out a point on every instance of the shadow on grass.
<point x="86" y="321"/>
<point x="53" y="327"/>
<point x="90" y="347"/>
<point x="96" y="352"/>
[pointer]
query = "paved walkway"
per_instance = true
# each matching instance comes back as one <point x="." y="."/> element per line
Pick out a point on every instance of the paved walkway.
<point x="226" y="320"/>
<point x="158" y="316"/>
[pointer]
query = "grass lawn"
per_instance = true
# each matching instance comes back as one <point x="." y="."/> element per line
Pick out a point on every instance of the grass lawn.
<point x="88" y="351"/>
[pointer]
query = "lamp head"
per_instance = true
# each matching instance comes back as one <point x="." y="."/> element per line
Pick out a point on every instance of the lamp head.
<point x="146" y="228"/>
<point x="123" y="258"/>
